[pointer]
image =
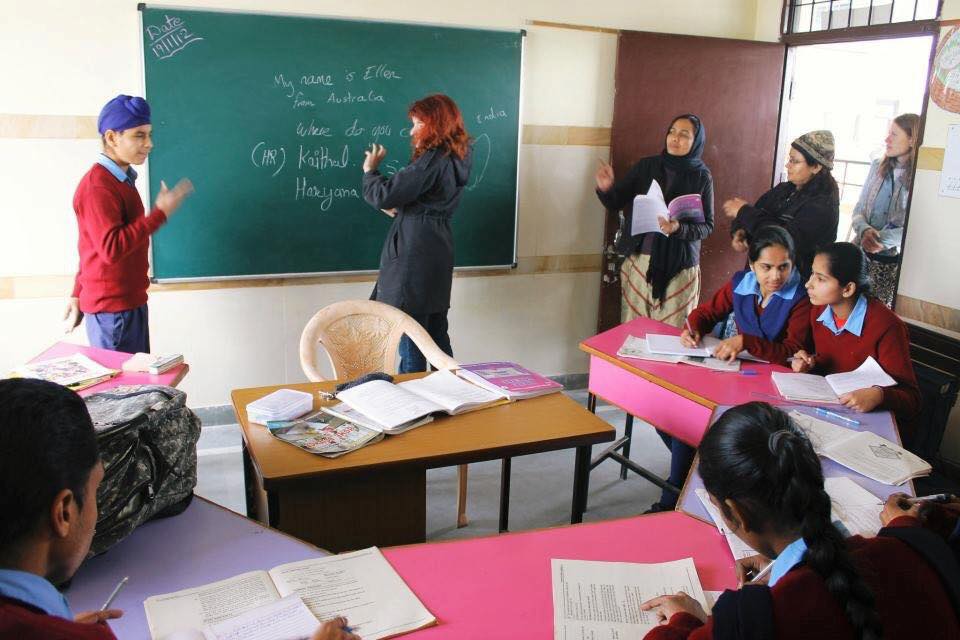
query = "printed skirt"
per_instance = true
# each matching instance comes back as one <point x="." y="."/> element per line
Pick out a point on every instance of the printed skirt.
<point x="681" y="297"/>
<point x="883" y="274"/>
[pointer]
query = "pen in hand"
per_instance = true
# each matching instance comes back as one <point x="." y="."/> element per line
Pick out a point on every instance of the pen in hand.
<point x="761" y="573"/>
<point x="116" y="590"/>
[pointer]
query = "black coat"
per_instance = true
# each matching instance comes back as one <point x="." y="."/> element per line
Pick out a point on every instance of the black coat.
<point x="416" y="264"/>
<point x="680" y="250"/>
<point x="811" y="218"/>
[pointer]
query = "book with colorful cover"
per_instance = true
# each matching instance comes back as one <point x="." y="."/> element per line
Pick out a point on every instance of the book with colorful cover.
<point x="75" y="371"/>
<point x="323" y="434"/>
<point x="509" y="379"/>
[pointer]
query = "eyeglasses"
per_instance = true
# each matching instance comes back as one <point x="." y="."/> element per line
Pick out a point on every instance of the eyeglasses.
<point x="792" y="160"/>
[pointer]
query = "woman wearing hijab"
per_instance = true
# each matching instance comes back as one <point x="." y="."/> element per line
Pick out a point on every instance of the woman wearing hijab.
<point x="660" y="277"/>
<point x="807" y="204"/>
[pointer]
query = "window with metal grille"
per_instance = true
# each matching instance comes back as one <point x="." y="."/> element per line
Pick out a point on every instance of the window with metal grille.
<point x="805" y="16"/>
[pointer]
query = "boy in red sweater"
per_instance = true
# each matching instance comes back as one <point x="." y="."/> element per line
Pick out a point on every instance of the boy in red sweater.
<point x="849" y="326"/>
<point x="111" y="284"/>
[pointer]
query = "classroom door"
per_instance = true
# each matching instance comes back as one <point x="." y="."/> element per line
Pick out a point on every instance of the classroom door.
<point x="734" y="86"/>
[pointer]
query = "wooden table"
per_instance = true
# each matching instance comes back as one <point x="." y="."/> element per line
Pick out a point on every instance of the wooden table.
<point x="113" y="360"/>
<point x="377" y="495"/>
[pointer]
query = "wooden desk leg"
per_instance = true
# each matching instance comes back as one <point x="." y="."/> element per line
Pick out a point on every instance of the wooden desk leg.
<point x="504" y="493"/>
<point x="581" y="484"/>
<point x="628" y="434"/>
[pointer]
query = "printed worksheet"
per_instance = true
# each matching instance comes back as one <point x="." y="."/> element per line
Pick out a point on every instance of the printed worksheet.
<point x="601" y="600"/>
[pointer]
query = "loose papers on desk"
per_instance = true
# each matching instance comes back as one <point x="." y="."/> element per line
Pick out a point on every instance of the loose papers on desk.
<point x="601" y="600"/>
<point x="638" y="349"/>
<point x="282" y="404"/>
<point x="649" y="208"/>
<point x="360" y="585"/>
<point x="808" y="387"/>
<point x="671" y="345"/>
<point x="862" y="451"/>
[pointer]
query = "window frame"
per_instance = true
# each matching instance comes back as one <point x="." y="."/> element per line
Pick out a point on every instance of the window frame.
<point x="848" y="34"/>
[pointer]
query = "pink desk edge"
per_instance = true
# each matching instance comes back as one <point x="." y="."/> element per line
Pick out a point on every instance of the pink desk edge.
<point x="114" y="360"/>
<point x="500" y="586"/>
<point x="715" y="387"/>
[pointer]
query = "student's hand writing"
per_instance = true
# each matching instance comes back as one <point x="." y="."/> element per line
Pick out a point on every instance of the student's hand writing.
<point x="373" y="156"/>
<point x="751" y="566"/>
<point x="739" y="241"/>
<point x="72" y="315"/>
<point x="604" y="176"/>
<point x="896" y="506"/>
<point x="870" y="241"/>
<point x="689" y="339"/>
<point x="732" y="207"/>
<point x="729" y="349"/>
<point x="169" y="200"/>
<point x="803" y="361"/>
<point x="863" y="400"/>
<point x="335" y="629"/>
<point x="668" y="227"/>
<point x="390" y="212"/>
<point x="665" y="606"/>
<point x="97" y="617"/>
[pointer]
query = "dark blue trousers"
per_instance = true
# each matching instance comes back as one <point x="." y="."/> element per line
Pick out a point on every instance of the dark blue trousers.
<point x="411" y="360"/>
<point x="681" y="459"/>
<point x="127" y="331"/>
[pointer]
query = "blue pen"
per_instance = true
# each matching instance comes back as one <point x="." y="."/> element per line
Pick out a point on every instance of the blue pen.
<point x="837" y="416"/>
<point x="748" y="372"/>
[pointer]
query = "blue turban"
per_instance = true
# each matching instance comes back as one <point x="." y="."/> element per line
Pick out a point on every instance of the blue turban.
<point x="123" y="112"/>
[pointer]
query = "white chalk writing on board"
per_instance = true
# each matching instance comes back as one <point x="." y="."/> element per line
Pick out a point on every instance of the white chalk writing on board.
<point x="481" y="158"/>
<point x="170" y="38"/>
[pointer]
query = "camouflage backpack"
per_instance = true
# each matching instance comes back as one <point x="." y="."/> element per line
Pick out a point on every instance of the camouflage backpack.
<point x="148" y="443"/>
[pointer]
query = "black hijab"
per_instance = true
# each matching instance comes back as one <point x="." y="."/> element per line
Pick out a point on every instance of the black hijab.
<point x="694" y="158"/>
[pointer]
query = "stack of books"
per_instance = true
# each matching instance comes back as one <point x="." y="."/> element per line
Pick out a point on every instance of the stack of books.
<point x="75" y="372"/>
<point x="283" y="404"/>
<point x="508" y="380"/>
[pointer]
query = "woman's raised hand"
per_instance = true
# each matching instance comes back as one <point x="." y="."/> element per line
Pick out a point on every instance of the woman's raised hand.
<point x="604" y="176"/>
<point x="373" y="156"/>
<point x="732" y="206"/>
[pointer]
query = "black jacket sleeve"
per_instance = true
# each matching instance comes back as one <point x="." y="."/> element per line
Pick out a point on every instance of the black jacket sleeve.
<point x="625" y="189"/>
<point x="401" y="188"/>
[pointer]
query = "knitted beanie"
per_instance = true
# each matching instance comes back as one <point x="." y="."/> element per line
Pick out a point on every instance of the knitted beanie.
<point x="818" y="145"/>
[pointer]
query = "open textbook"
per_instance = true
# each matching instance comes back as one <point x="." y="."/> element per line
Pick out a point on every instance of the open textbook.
<point x="266" y="604"/>
<point x="862" y="451"/>
<point x="634" y="347"/>
<point x="649" y="208"/>
<point x="671" y="345"/>
<point x="75" y="371"/>
<point x="601" y="600"/>
<point x="396" y="406"/>
<point x="828" y="389"/>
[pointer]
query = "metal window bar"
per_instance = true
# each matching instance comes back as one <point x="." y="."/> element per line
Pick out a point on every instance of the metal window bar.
<point x="830" y="15"/>
<point x="812" y="7"/>
<point x="915" y="3"/>
<point x="870" y="14"/>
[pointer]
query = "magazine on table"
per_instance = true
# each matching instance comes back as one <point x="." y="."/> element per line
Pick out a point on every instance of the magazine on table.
<point x="508" y="379"/>
<point x="324" y="434"/>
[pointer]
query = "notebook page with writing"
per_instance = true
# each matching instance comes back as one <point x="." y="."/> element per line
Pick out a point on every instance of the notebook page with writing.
<point x="386" y="403"/>
<point x="855" y="507"/>
<point x="286" y="618"/>
<point x="360" y="585"/>
<point x="671" y="345"/>
<point x="877" y="458"/>
<point x="806" y="387"/>
<point x="601" y="600"/>
<point x="452" y="393"/>
<point x="869" y="374"/>
<point x="821" y="433"/>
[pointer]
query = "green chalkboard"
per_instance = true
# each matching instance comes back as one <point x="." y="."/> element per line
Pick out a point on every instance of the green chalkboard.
<point x="269" y="115"/>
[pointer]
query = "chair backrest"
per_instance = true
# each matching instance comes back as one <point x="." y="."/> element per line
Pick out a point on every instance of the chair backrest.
<point x="362" y="336"/>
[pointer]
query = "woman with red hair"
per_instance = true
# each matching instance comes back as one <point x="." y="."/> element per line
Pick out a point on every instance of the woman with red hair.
<point x="416" y="264"/>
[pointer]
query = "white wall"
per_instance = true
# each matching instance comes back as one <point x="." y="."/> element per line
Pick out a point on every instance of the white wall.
<point x="61" y="58"/>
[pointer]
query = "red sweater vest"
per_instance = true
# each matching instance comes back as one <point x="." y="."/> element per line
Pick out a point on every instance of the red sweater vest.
<point x="884" y="336"/>
<point x="23" y="622"/>
<point x="113" y="244"/>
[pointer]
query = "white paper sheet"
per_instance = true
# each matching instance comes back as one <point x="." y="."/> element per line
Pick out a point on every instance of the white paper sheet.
<point x="738" y="548"/>
<point x="647" y="210"/>
<point x="285" y="619"/>
<point x="877" y="458"/>
<point x="950" y="172"/>
<point x="386" y="403"/>
<point x="601" y="600"/>
<point x="855" y="507"/>
<point x="806" y="387"/>
<point x="634" y="347"/>
<point x="821" y="433"/>
<point x="452" y="393"/>
<point x="671" y="345"/>
<point x="869" y="374"/>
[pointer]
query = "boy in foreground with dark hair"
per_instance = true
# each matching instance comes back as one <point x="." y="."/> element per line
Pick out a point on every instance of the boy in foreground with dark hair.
<point x="50" y="470"/>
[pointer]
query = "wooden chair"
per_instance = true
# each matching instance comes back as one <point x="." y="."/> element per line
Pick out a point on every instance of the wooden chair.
<point x="362" y="336"/>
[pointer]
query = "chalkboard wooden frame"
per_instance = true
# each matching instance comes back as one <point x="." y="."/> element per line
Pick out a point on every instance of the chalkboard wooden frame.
<point x="191" y="224"/>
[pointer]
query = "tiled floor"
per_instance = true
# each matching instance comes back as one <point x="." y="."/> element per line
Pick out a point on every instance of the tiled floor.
<point x="541" y="485"/>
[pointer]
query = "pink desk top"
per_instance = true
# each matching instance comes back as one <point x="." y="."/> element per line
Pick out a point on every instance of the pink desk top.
<point x="113" y="360"/>
<point x="500" y="586"/>
<point x="706" y="387"/>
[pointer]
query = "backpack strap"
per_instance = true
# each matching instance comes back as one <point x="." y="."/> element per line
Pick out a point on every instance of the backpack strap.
<point x="936" y="552"/>
<point x="746" y="614"/>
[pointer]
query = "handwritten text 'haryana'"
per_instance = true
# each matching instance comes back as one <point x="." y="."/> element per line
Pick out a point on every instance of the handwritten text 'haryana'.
<point x="171" y="37"/>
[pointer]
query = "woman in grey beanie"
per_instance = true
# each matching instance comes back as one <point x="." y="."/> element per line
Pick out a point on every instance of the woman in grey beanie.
<point x="807" y="204"/>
